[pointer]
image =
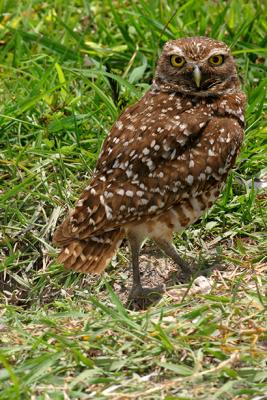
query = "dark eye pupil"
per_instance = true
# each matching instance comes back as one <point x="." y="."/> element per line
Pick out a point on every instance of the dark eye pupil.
<point x="215" y="59"/>
<point x="178" y="60"/>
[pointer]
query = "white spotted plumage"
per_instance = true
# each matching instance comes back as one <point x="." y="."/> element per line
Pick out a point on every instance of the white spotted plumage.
<point x="164" y="161"/>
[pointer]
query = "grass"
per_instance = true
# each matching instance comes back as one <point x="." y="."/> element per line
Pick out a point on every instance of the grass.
<point x="67" y="70"/>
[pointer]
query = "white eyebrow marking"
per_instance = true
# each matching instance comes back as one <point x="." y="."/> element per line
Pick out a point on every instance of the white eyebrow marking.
<point x="219" y="52"/>
<point x="175" y="50"/>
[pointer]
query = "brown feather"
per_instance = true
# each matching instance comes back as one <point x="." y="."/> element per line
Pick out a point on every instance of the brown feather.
<point x="90" y="256"/>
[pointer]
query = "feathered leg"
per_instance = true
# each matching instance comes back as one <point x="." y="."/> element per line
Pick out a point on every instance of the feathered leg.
<point x="170" y="250"/>
<point x="138" y="291"/>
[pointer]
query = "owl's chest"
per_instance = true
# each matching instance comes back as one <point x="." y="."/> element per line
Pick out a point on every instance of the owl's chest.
<point x="178" y="217"/>
<point x="190" y="210"/>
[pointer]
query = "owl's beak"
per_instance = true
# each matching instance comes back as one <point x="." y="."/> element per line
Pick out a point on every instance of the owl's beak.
<point x="197" y="75"/>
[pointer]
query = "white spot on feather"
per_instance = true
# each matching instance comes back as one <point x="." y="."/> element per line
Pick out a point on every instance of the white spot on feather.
<point x="129" y="193"/>
<point x="189" y="179"/>
<point x="152" y="209"/>
<point x="191" y="164"/>
<point x="119" y="125"/>
<point x="211" y="153"/>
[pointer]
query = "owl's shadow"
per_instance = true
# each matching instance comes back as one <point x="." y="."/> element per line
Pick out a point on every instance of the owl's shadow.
<point x="157" y="269"/>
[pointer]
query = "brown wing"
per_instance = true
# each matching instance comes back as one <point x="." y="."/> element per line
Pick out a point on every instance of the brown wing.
<point x="160" y="150"/>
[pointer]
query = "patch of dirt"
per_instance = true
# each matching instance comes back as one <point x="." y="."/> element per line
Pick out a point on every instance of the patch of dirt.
<point x="156" y="270"/>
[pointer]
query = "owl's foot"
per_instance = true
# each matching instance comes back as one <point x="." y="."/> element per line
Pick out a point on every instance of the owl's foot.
<point x="169" y="249"/>
<point x="139" y="292"/>
<point x="185" y="275"/>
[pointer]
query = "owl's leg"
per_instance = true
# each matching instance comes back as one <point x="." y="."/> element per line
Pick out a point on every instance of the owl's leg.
<point x="138" y="291"/>
<point x="170" y="250"/>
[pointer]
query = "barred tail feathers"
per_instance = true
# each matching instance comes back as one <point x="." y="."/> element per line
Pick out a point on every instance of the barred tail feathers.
<point x="91" y="256"/>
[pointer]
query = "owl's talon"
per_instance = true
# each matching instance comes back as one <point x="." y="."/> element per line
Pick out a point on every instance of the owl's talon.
<point x="187" y="269"/>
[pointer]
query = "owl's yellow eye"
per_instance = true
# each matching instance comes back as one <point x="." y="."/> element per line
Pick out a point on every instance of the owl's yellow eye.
<point x="216" y="59"/>
<point x="177" y="61"/>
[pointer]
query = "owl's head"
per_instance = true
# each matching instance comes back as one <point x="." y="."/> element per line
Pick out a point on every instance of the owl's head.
<point x="197" y="66"/>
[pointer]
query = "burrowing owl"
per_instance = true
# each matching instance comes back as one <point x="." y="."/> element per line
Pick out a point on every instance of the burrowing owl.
<point x="164" y="161"/>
